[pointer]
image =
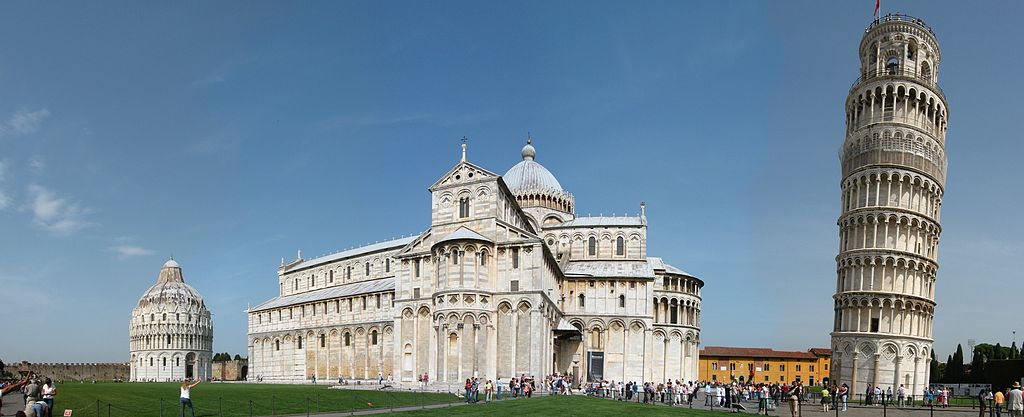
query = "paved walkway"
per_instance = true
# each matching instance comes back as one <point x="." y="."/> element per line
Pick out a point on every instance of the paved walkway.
<point x="13" y="403"/>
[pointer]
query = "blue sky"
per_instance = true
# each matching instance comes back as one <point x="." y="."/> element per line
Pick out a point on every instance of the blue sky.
<point x="232" y="134"/>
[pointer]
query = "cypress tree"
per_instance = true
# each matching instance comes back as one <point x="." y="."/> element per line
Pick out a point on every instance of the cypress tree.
<point x="957" y="373"/>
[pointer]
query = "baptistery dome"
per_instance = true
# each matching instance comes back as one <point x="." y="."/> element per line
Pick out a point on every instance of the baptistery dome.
<point x="535" y="186"/>
<point x="171" y="333"/>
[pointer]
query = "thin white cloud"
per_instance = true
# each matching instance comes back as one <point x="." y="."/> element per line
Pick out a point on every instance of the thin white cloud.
<point x="5" y="199"/>
<point x="24" y="122"/>
<point x="128" y="251"/>
<point x="37" y="163"/>
<point x="53" y="213"/>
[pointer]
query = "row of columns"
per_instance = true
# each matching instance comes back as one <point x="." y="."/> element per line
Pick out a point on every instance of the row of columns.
<point x="912" y="322"/>
<point x="868" y="192"/>
<point x="675" y="312"/>
<point x="863" y="277"/>
<point x="925" y="117"/>
<point x="178" y="341"/>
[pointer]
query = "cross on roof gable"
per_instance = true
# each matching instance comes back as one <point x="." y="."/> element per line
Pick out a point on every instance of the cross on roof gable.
<point x="463" y="172"/>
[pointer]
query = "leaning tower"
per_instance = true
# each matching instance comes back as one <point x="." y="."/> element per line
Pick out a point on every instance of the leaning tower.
<point x="893" y="178"/>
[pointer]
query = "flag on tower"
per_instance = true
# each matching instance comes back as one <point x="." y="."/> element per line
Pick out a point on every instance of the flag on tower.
<point x="877" y="4"/>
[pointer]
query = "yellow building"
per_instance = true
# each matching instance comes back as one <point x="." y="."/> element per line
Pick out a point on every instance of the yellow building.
<point x="727" y="364"/>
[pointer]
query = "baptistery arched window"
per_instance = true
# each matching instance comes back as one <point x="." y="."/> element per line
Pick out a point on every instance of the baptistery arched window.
<point x="373" y="337"/>
<point x="620" y="246"/>
<point x="592" y="246"/>
<point x="583" y="300"/>
<point x="367" y="269"/>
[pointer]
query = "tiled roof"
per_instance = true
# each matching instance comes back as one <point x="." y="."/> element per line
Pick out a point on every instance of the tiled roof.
<point x="610" y="269"/>
<point x="600" y="221"/>
<point x="821" y="351"/>
<point x="355" y="288"/>
<point x="659" y="264"/>
<point x="379" y="246"/>
<point x="738" y="352"/>
<point x="463" y="233"/>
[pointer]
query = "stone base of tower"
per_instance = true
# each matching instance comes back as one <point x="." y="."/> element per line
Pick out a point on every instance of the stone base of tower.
<point x="860" y="360"/>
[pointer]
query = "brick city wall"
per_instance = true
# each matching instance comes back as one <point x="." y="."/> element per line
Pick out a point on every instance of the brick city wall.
<point x="230" y="370"/>
<point x="74" y="371"/>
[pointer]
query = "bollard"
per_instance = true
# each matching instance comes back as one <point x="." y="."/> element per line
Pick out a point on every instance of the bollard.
<point x="161" y="406"/>
<point x="108" y="409"/>
<point x="307" y="406"/>
<point x="318" y="402"/>
<point x="250" y="408"/>
<point x="220" y="406"/>
<point x="97" y="408"/>
<point x="931" y="410"/>
<point x="273" y="405"/>
<point x="884" y="403"/>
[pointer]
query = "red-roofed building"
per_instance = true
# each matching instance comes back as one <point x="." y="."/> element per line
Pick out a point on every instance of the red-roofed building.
<point x="727" y="364"/>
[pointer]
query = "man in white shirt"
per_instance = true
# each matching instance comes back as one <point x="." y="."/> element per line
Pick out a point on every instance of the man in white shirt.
<point x="1015" y="401"/>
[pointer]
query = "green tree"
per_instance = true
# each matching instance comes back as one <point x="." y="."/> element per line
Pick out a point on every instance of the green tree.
<point x="238" y="357"/>
<point x="955" y="367"/>
<point x="934" y="371"/>
<point x="978" y="363"/>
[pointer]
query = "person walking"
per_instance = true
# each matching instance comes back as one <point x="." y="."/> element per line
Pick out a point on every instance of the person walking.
<point x="844" y="395"/>
<point x="49" y="390"/>
<point x="825" y="399"/>
<point x="794" y="400"/>
<point x="1015" y="401"/>
<point x="186" y="397"/>
<point x="901" y="394"/>
<point x="999" y="399"/>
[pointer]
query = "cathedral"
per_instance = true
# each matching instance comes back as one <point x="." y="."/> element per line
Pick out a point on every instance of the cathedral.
<point x="506" y="281"/>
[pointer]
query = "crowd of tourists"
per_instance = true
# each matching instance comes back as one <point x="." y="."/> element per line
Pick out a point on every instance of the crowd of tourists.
<point x="37" y="395"/>
<point x="523" y="386"/>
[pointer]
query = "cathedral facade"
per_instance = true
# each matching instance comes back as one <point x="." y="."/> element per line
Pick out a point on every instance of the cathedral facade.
<point x="506" y="281"/>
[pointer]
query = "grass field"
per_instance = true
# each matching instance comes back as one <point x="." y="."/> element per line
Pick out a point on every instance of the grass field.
<point x="562" y="406"/>
<point x="228" y="400"/>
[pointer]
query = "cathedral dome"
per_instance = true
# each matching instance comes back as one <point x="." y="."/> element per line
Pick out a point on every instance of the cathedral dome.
<point x="529" y="176"/>
<point x="535" y="186"/>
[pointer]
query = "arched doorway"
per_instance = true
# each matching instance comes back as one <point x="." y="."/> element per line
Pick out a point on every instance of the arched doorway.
<point x="190" y="365"/>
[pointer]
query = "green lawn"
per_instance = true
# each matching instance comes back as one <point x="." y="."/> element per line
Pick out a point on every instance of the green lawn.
<point x="563" y="406"/>
<point x="228" y="400"/>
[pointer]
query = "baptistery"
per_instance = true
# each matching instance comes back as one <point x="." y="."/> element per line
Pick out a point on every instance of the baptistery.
<point x="171" y="332"/>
